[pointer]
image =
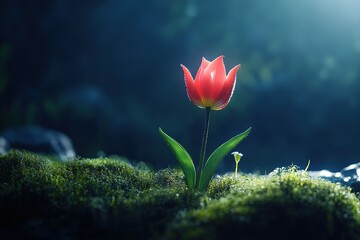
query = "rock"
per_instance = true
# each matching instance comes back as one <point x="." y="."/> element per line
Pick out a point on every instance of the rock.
<point x="349" y="176"/>
<point x="39" y="140"/>
<point x="351" y="173"/>
<point x="4" y="146"/>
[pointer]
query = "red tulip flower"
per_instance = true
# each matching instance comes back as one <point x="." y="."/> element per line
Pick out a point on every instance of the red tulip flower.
<point x="212" y="88"/>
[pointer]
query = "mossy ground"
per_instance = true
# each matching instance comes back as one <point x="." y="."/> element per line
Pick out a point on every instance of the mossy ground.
<point x="109" y="198"/>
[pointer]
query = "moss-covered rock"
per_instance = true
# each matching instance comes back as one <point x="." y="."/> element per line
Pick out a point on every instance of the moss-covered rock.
<point x="286" y="206"/>
<point x="110" y="198"/>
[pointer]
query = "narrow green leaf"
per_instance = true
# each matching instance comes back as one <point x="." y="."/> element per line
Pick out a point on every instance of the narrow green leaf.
<point x="183" y="158"/>
<point x="217" y="156"/>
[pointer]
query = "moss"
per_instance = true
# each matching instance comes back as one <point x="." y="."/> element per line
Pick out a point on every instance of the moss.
<point x="289" y="205"/>
<point x="110" y="198"/>
<point x="170" y="177"/>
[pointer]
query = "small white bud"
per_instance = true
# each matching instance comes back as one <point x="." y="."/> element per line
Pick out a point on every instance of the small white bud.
<point x="237" y="156"/>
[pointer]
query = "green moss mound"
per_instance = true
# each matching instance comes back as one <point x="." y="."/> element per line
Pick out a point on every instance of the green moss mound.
<point x="288" y="205"/>
<point x="110" y="198"/>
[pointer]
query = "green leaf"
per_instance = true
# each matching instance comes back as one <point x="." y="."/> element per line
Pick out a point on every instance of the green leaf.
<point x="217" y="156"/>
<point x="183" y="158"/>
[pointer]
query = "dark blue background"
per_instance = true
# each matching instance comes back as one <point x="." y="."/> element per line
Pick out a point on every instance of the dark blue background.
<point x="107" y="74"/>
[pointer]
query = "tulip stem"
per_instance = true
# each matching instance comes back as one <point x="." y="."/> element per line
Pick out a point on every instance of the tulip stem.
<point x="203" y="147"/>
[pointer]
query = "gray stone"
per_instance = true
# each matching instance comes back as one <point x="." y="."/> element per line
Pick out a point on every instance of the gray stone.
<point x="39" y="140"/>
<point x="4" y="146"/>
<point x="349" y="176"/>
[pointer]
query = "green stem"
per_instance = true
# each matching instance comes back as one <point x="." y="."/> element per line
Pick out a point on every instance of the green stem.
<point x="203" y="147"/>
<point x="236" y="168"/>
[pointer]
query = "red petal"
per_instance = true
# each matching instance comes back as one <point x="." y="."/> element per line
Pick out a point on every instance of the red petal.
<point x="216" y="66"/>
<point x="212" y="80"/>
<point x="232" y="72"/>
<point x="228" y="89"/>
<point x="203" y="65"/>
<point x="190" y="87"/>
<point x="198" y="81"/>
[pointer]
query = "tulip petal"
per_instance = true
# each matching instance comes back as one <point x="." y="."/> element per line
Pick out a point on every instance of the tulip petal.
<point x="219" y="79"/>
<point x="212" y="80"/>
<point x="229" y="86"/>
<point x="190" y="87"/>
<point x="233" y="71"/>
<point x="198" y="81"/>
<point x="218" y="68"/>
<point x="203" y="65"/>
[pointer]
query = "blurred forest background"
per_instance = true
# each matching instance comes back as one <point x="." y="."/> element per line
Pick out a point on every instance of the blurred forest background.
<point x="107" y="73"/>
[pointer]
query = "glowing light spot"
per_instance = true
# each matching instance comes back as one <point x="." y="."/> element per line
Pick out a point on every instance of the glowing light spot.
<point x="338" y="175"/>
<point x="346" y="179"/>
<point x="325" y="173"/>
